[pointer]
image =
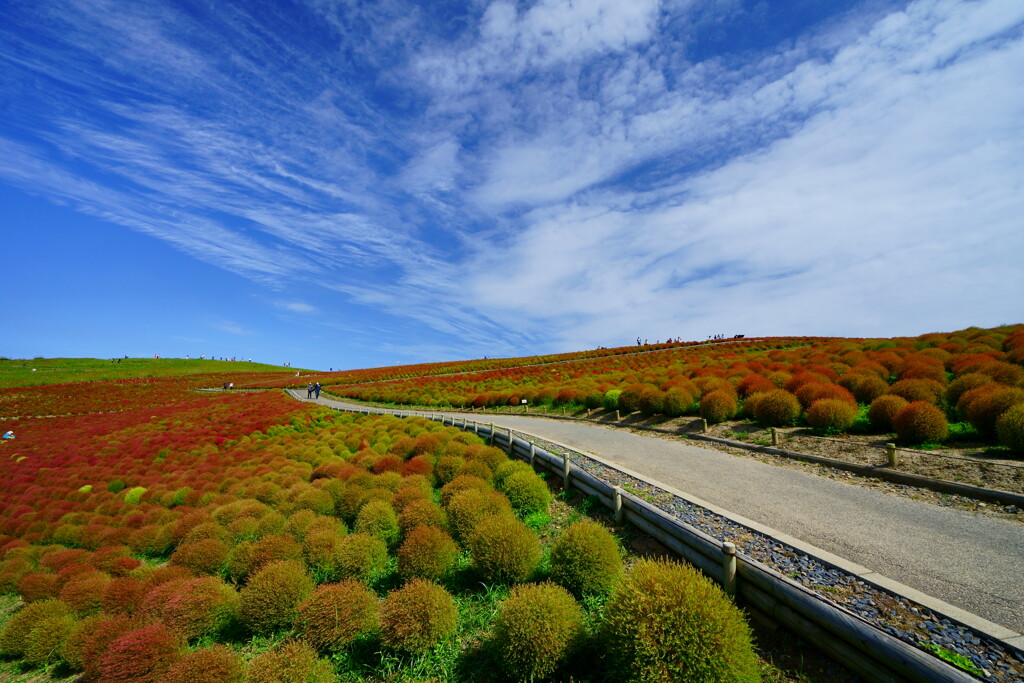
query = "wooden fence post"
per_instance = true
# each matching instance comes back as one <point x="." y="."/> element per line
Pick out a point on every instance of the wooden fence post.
<point x="775" y="437"/>
<point x="565" y="471"/>
<point x="618" y="504"/>
<point x="890" y="452"/>
<point x="729" y="568"/>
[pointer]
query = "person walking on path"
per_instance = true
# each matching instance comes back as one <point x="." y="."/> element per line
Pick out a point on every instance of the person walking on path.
<point x="309" y="390"/>
<point x="316" y="390"/>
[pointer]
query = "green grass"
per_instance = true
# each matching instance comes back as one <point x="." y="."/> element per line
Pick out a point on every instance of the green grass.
<point x="954" y="658"/>
<point x="43" y="371"/>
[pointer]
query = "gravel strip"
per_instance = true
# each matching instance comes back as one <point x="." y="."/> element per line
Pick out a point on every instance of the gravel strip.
<point x="897" y="616"/>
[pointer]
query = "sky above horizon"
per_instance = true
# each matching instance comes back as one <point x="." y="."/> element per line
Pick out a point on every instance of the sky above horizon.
<point x="338" y="184"/>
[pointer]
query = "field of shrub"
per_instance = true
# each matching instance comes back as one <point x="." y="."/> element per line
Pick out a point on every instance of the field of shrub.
<point x="925" y="390"/>
<point x="245" y="537"/>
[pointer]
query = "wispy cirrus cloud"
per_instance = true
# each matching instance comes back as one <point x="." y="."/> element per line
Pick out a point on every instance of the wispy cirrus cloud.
<point x="500" y="176"/>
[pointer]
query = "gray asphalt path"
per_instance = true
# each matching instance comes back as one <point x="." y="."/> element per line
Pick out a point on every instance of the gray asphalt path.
<point x="970" y="561"/>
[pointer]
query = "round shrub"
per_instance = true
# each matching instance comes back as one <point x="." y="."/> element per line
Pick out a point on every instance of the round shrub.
<point x="362" y="557"/>
<point x="527" y="492"/>
<point x="918" y="390"/>
<point x="629" y="398"/>
<point x="151" y="607"/>
<point x="427" y="553"/>
<point x="1010" y="428"/>
<point x="143" y="654"/>
<point x="883" y="411"/>
<point x="717" y="406"/>
<point x="865" y="387"/>
<point x="920" y="421"/>
<point x="202" y="557"/>
<point x="216" y="664"/>
<point x="585" y="559"/>
<point x="89" y="639"/>
<point x="679" y="401"/>
<point x="272" y="596"/>
<point x="666" y="622"/>
<point x="292" y="662"/>
<point x="468" y="507"/>
<point x="832" y="413"/>
<point x="504" y="550"/>
<point x="611" y="399"/>
<point x="964" y="383"/>
<point x="408" y="494"/>
<point x="776" y="408"/>
<point x="45" y="642"/>
<point x="507" y="469"/>
<point x="202" y="607"/>
<point x="84" y="592"/>
<point x="378" y="519"/>
<point x="421" y="513"/>
<point x="461" y="483"/>
<point x="248" y="557"/>
<point x="38" y="586"/>
<point x="320" y="549"/>
<point x="652" y="401"/>
<point x="16" y="630"/>
<point x="336" y="614"/>
<point x="538" y="626"/>
<point x="754" y="384"/>
<point x="984" y="411"/>
<point x="417" y="616"/>
<point x="123" y="595"/>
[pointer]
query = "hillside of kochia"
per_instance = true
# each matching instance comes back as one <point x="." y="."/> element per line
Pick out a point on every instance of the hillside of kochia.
<point x="969" y="382"/>
<point x="212" y="537"/>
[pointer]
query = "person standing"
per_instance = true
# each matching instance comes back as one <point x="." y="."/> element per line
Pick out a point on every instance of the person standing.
<point x="309" y="390"/>
<point x="316" y="390"/>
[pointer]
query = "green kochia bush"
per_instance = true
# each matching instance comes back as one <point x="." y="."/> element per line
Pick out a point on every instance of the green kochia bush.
<point x="504" y="550"/>
<point x="884" y="409"/>
<point x="292" y="662"/>
<point x="362" y="557"/>
<point x="336" y="614"/>
<point x="1010" y="428"/>
<point x="585" y="559"/>
<point x="538" y="626"/>
<point x="832" y="414"/>
<point x="666" y="622"/>
<point x="44" y="643"/>
<point x="717" y="406"/>
<point x="417" y="616"/>
<point x="217" y="664"/>
<point x="526" y="492"/>
<point x="14" y="636"/>
<point x="427" y="553"/>
<point x="775" y="408"/>
<point x="271" y="598"/>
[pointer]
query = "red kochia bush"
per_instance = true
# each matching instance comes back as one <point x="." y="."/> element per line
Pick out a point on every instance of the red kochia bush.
<point x="754" y="384"/>
<point x="141" y="655"/>
<point x="37" y="586"/>
<point x="919" y="422"/>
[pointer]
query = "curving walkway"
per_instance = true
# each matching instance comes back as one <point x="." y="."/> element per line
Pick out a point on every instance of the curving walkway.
<point x="973" y="562"/>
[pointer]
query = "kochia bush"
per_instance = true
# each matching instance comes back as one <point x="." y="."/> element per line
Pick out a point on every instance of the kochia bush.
<point x="427" y="553"/>
<point x="717" y="406"/>
<point x="293" y="661"/>
<point x="1010" y="428"/>
<point x="919" y="422"/>
<point x="271" y="598"/>
<point x="216" y="664"/>
<point x="775" y="408"/>
<point x="585" y="559"/>
<point x="417" y="616"/>
<point x="832" y="413"/>
<point x="141" y="655"/>
<point x="336" y="614"/>
<point x="884" y="409"/>
<point x="538" y="626"/>
<point x="667" y="623"/>
<point x="504" y="550"/>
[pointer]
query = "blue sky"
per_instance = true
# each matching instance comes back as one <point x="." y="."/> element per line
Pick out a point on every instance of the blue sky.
<point x="352" y="184"/>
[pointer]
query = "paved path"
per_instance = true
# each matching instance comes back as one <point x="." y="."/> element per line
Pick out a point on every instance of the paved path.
<point x="970" y="561"/>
